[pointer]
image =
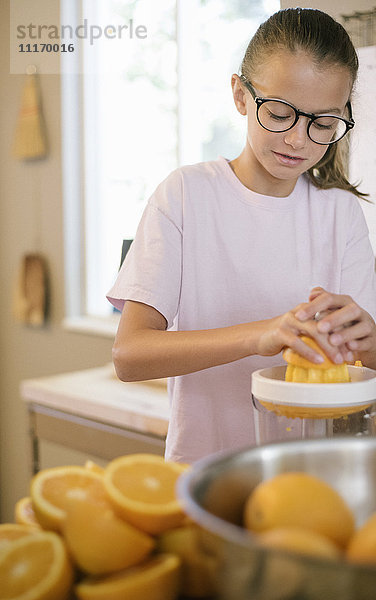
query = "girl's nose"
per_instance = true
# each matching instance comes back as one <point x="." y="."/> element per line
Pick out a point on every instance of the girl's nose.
<point x="297" y="136"/>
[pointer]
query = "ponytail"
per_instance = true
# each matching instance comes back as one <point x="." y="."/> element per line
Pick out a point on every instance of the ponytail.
<point x="331" y="170"/>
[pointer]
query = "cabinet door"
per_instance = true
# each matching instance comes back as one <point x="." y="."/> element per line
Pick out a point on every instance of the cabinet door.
<point x="59" y="438"/>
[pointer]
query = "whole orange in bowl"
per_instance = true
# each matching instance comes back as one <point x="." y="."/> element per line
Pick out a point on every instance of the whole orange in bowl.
<point x="301" y="540"/>
<point x="299" y="499"/>
<point x="362" y="546"/>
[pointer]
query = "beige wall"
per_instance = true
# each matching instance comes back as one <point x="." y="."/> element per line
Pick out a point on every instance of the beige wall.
<point x="336" y="8"/>
<point x="26" y="352"/>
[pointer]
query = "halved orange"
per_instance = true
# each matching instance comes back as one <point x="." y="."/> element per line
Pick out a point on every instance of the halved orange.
<point x="14" y="531"/>
<point x="293" y="358"/>
<point x="99" y="541"/>
<point x="198" y="566"/>
<point x="51" y="489"/>
<point x="93" y="466"/>
<point x="24" y="513"/>
<point x="142" y="490"/>
<point x="155" y="579"/>
<point x="35" y="567"/>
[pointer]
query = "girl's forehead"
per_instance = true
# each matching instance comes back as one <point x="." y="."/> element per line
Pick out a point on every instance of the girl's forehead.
<point x="296" y="77"/>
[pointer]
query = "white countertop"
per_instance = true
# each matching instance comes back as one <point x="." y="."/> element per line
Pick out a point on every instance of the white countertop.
<point x="98" y="394"/>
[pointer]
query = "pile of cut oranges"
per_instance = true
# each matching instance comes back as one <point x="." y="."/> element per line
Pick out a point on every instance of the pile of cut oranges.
<point x="102" y="534"/>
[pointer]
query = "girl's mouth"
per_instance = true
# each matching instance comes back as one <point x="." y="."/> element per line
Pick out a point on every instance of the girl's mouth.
<point x="288" y="159"/>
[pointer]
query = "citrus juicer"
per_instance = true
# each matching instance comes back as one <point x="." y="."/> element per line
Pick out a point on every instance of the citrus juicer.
<point x="289" y="410"/>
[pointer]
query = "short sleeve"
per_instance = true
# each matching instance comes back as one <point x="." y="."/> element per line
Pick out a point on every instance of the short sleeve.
<point x="151" y="271"/>
<point x="358" y="265"/>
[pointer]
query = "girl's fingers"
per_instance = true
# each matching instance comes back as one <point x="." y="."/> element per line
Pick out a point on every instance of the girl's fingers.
<point x="305" y="351"/>
<point x="337" y="323"/>
<point x="343" y="317"/>
<point x="347" y="354"/>
<point x="363" y="345"/>
<point x="349" y="334"/>
<point x="316" y="291"/>
<point x="322" y="303"/>
<point x="287" y="333"/>
<point x="332" y="352"/>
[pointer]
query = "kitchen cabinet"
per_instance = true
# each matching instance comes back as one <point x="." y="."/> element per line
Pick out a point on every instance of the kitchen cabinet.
<point x="92" y="415"/>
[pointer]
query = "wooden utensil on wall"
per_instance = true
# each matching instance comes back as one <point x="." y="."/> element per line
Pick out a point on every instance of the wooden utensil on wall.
<point x="31" y="294"/>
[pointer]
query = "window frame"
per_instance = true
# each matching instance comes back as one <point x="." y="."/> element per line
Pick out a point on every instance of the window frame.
<point x="73" y="184"/>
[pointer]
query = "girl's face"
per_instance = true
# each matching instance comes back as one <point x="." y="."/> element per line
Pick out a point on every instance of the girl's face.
<point x="275" y="160"/>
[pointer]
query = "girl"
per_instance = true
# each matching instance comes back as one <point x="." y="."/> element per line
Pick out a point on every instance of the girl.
<point x="219" y="277"/>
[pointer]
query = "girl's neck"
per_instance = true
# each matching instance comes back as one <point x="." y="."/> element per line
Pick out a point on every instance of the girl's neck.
<point x="254" y="177"/>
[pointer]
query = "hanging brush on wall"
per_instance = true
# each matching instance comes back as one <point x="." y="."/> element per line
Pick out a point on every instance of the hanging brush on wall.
<point x="31" y="294"/>
<point x="30" y="136"/>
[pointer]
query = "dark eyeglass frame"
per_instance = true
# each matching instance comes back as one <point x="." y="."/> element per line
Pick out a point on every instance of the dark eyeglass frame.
<point x="298" y="113"/>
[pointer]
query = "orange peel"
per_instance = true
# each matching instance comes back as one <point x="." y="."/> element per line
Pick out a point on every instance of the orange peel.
<point x="301" y="370"/>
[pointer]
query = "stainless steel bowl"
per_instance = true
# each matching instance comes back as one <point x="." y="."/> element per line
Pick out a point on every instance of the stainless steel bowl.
<point x="214" y="492"/>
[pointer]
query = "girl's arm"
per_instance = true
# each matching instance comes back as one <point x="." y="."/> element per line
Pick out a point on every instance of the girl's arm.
<point x="143" y="349"/>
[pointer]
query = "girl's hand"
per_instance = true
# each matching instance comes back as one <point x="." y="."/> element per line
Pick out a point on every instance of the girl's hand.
<point x="284" y="331"/>
<point x="350" y="329"/>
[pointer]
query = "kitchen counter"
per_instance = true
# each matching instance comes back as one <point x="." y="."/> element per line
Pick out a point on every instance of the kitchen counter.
<point x="95" y="413"/>
<point x="98" y="394"/>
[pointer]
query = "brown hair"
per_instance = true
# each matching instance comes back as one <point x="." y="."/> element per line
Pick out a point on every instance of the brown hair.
<point x="328" y="43"/>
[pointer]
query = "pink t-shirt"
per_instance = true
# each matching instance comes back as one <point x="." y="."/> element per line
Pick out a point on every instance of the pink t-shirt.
<point x="211" y="253"/>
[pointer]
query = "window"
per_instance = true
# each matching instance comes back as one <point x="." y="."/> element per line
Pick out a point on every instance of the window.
<point x="147" y="105"/>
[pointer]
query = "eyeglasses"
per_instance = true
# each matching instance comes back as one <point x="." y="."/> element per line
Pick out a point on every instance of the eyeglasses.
<point x="278" y="116"/>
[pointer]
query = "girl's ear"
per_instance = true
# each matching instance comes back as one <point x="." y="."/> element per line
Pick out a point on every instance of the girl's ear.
<point x="238" y="93"/>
